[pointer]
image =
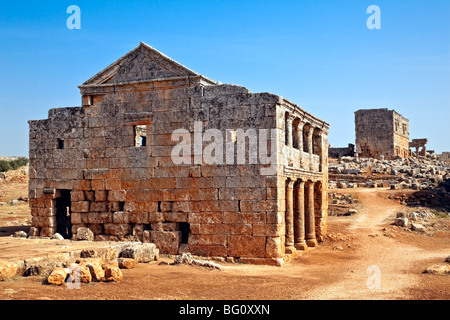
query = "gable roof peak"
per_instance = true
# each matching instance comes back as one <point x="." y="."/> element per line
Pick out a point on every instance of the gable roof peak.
<point x="143" y="63"/>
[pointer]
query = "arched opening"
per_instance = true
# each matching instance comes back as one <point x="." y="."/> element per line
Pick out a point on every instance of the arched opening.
<point x="317" y="142"/>
<point x="295" y="133"/>
<point x="305" y="137"/>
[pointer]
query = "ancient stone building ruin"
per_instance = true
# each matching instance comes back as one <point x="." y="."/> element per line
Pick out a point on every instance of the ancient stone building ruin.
<point x="420" y="146"/>
<point x="381" y="132"/>
<point x="159" y="153"/>
<point x="336" y="153"/>
<point x="444" y="156"/>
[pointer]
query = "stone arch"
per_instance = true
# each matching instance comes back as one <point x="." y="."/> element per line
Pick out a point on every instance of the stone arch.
<point x="306" y="129"/>
<point x="295" y="134"/>
<point x="317" y="142"/>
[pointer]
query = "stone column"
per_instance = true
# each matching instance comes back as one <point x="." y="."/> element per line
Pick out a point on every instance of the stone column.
<point x="289" y="218"/>
<point x="289" y="121"/>
<point x="424" y="151"/>
<point x="321" y="150"/>
<point x="310" y="147"/>
<point x="310" y="220"/>
<point x="310" y="140"/>
<point x="300" y="141"/>
<point x="299" y="217"/>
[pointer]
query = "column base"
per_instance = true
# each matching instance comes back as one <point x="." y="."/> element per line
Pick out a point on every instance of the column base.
<point x="312" y="243"/>
<point x="289" y="249"/>
<point x="301" y="246"/>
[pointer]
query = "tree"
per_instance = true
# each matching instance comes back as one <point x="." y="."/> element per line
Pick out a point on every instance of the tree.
<point x="4" y="166"/>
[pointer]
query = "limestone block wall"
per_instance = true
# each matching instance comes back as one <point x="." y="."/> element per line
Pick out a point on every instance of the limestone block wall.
<point x="121" y="191"/>
<point x="401" y="136"/>
<point x="180" y="162"/>
<point x="381" y="132"/>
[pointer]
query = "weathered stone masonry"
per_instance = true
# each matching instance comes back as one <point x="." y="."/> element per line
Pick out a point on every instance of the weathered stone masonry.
<point x="381" y="132"/>
<point x="107" y="166"/>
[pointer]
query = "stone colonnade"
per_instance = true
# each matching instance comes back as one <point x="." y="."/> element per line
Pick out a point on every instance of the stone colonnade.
<point x="303" y="200"/>
<point x="306" y="137"/>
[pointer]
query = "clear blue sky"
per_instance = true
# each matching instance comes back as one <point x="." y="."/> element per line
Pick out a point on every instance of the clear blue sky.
<point x="317" y="54"/>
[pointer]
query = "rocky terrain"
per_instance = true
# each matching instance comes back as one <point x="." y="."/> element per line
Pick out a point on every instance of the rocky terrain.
<point x="427" y="176"/>
<point x="411" y="173"/>
<point x="14" y="210"/>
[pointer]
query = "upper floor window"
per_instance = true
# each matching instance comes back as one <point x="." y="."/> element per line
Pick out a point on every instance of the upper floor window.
<point x="140" y="135"/>
<point x="60" y="144"/>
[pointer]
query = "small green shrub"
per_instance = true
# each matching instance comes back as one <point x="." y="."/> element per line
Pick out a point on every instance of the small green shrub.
<point x="13" y="164"/>
<point x="19" y="162"/>
<point x="4" y="166"/>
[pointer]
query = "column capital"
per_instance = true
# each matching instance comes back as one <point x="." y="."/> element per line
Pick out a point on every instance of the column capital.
<point x="300" y="125"/>
<point x="290" y="183"/>
<point x="310" y="182"/>
<point x="290" y="119"/>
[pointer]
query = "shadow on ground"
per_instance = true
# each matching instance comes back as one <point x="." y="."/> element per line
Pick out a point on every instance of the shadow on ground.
<point x="9" y="231"/>
<point x="437" y="198"/>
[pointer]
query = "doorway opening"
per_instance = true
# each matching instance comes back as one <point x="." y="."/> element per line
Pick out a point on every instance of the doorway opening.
<point x="63" y="218"/>
<point x="185" y="230"/>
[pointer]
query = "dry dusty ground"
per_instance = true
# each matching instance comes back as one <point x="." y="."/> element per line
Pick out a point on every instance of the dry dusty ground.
<point x="337" y="269"/>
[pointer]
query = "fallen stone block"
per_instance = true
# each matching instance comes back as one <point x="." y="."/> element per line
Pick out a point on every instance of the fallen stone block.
<point x="141" y="252"/>
<point x="341" y="185"/>
<point x="114" y="263"/>
<point x="78" y="274"/>
<point x="57" y="236"/>
<point x="126" y="263"/>
<point x="351" y="212"/>
<point x="94" y="266"/>
<point x="402" y="222"/>
<point x="85" y="274"/>
<point x="20" y="234"/>
<point x="112" y="273"/>
<point x="85" y="234"/>
<point x="105" y="254"/>
<point x="417" y="227"/>
<point x="97" y="272"/>
<point x="438" y="269"/>
<point x="43" y="265"/>
<point x="8" y="270"/>
<point x="187" y="258"/>
<point x="58" y="276"/>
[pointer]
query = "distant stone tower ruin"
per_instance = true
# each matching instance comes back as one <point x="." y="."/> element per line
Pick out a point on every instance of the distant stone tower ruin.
<point x="381" y="132"/>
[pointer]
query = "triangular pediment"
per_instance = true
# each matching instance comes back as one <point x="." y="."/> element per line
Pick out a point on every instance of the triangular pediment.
<point x="144" y="63"/>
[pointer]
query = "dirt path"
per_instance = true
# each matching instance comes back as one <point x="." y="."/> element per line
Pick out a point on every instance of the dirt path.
<point x="379" y="255"/>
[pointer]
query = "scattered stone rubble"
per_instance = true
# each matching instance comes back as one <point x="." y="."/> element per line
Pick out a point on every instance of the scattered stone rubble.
<point x="187" y="258"/>
<point x="439" y="269"/>
<point x="339" y="198"/>
<point x="105" y="264"/>
<point x="102" y="264"/>
<point x="410" y="173"/>
<point x="437" y="197"/>
<point x="341" y="204"/>
<point x="86" y="270"/>
<point x="420" y="221"/>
